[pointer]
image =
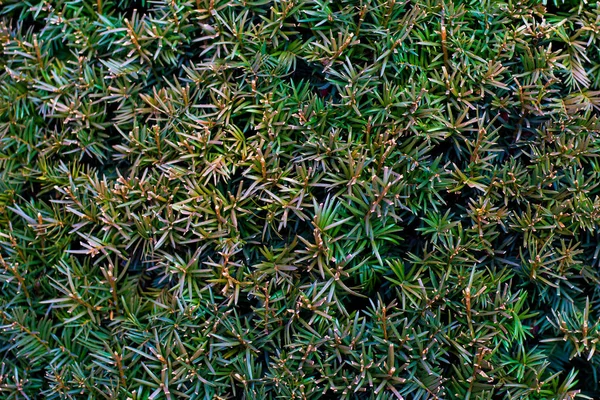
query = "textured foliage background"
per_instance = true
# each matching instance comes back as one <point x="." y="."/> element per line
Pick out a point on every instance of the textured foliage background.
<point x="299" y="199"/>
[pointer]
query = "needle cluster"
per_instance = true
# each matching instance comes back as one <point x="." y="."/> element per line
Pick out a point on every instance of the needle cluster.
<point x="299" y="199"/>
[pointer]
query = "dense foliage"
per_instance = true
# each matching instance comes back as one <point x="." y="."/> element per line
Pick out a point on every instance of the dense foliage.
<point x="299" y="199"/>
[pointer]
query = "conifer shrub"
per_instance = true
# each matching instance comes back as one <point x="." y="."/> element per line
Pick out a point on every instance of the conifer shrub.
<point x="299" y="199"/>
